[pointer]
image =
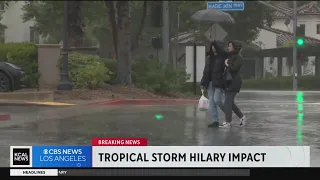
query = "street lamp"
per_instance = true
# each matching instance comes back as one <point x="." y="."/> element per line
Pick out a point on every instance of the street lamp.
<point x="65" y="83"/>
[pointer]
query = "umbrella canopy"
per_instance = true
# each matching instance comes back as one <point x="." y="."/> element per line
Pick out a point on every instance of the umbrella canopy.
<point x="212" y="16"/>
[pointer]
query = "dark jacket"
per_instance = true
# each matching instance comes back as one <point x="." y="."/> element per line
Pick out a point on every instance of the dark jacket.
<point x="214" y="66"/>
<point x="235" y="64"/>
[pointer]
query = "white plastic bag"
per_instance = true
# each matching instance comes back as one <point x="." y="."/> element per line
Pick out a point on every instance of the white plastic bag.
<point x="203" y="103"/>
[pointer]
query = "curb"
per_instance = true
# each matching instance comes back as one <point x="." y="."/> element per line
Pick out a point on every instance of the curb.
<point x="18" y="104"/>
<point x="4" y="116"/>
<point x="40" y="104"/>
<point x="27" y="96"/>
<point x="144" y="102"/>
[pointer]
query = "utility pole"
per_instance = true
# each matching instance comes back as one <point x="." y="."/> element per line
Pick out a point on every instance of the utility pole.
<point x="294" y="55"/>
<point x="165" y="31"/>
<point x="293" y="17"/>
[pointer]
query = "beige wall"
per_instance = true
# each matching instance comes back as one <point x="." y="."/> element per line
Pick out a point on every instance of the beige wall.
<point x="48" y="65"/>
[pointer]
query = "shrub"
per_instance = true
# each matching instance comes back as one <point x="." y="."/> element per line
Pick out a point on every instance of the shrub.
<point x="156" y="77"/>
<point x="189" y="88"/>
<point x="87" y="71"/>
<point x="111" y="64"/>
<point x="24" y="55"/>
<point x="91" y="76"/>
<point x="283" y="83"/>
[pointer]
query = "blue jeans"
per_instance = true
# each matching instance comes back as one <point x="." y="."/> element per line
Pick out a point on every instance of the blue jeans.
<point x="216" y="99"/>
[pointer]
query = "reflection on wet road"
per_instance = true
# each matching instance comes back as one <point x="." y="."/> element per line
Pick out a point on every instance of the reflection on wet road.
<point x="273" y="119"/>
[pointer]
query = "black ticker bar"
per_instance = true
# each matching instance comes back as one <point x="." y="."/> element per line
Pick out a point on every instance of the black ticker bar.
<point x="154" y="172"/>
<point x="254" y="172"/>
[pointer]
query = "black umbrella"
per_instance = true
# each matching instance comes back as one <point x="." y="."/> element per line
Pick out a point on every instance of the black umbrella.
<point x="212" y="16"/>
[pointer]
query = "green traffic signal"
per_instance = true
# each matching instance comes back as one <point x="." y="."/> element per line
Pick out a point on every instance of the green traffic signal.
<point x="300" y="42"/>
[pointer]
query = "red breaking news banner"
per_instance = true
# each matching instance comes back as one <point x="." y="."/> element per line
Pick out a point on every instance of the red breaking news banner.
<point x="119" y="142"/>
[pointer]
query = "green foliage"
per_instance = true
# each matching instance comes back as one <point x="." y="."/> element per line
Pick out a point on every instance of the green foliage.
<point x="111" y="64"/>
<point x="156" y="77"/>
<point x="186" y="9"/>
<point x="87" y="71"/>
<point x="47" y="16"/>
<point x="283" y="83"/>
<point x="153" y="76"/>
<point x="24" y="55"/>
<point x="247" y="22"/>
<point x="91" y="76"/>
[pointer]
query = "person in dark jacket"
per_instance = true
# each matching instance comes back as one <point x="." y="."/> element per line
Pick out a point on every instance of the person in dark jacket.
<point x="212" y="78"/>
<point x="232" y="83"/>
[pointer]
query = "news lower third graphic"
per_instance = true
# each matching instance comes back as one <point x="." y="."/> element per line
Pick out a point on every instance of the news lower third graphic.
<point x="51" y="156"/>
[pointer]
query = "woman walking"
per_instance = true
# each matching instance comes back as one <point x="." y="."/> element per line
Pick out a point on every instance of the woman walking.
<point x="212" y="79"/>
<point x="232" y="83"/>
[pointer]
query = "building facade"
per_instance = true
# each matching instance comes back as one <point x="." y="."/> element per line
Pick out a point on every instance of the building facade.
<point x="17" y="30"/>
<point x="280" y="35"/>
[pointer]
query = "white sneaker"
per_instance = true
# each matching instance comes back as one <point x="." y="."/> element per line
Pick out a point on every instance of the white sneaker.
<point x="225" y="125"/>
<point x="243" y="121"/>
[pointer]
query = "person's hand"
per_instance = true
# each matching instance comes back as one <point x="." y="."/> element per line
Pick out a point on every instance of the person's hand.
<point x="226" y="62"/>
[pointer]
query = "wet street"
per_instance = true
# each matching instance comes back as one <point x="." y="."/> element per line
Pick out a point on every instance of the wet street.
<point x="273" y="119"/>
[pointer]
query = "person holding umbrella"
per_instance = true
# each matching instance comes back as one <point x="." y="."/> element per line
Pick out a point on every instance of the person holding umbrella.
<point x="232" y="84"/>
<point x="212" y="78"/>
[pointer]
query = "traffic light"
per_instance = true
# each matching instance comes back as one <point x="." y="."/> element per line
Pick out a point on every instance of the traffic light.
<point x="300" y="41"/>
<point x="300" y="36"/>
<point x="300" y="53"/>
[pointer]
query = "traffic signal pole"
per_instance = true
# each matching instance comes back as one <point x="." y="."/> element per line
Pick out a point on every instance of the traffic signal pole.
<point x="294" y="55"/>
<point x="293" y="17"/>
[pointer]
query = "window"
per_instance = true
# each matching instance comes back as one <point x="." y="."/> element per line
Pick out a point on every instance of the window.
<point x="303" y="28"/>
<point x="2" y="6"/>
<point x="34" y="36"/>
<point x="318" y="28"/>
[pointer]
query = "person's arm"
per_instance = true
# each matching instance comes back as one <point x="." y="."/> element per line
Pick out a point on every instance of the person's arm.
<point x="234" y="64"/>
<point x="205" y="72"/>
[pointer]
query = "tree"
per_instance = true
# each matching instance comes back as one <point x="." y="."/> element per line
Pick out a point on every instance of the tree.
<point x="48" y="17"/>
<point x="76" y="24"/>
<point x="123" y="40"/>
<point x="248" y="22"/>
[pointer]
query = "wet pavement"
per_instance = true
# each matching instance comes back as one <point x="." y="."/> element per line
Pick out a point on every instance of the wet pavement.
<point x="273" y="119"/>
